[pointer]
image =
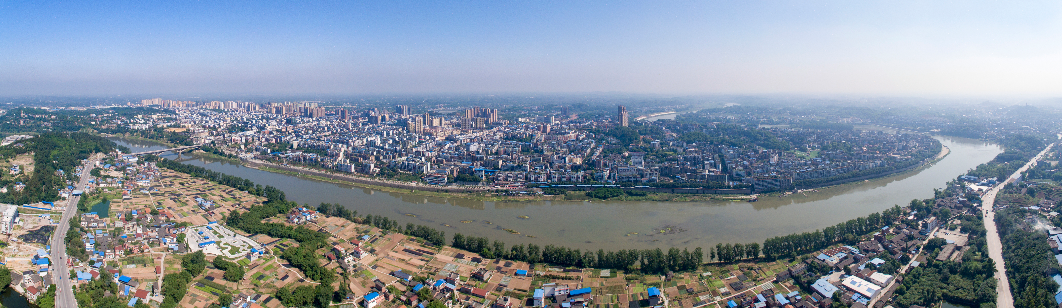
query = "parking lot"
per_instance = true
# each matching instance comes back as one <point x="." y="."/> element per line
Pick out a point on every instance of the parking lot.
<point x="218" y="240"/>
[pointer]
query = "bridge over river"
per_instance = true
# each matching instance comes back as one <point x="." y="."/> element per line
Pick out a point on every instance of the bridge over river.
<point x="175" y="150"/>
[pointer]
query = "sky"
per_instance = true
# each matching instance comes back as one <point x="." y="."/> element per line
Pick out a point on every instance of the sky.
<point x="920" y="48"/>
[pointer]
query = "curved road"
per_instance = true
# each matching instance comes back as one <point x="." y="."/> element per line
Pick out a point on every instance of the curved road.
<point x="1004" y="299"/>
<point x="64" y="295"/>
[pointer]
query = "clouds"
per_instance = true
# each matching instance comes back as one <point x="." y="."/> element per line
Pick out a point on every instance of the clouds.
<point x="888" y="48"/>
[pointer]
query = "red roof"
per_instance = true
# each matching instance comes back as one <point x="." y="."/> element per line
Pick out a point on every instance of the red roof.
<point x="31" y="290"/>
<point x="141" y="294"/>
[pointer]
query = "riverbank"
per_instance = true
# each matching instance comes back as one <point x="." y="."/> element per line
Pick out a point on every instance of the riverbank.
<point x="944" y="152"/>
<point x="386" y="186"/>
<point x="484" y="193"/>
<point x="487" y="193"/>
<point x="473" y="193"/>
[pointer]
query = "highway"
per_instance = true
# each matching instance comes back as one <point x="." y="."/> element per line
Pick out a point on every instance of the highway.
<point x="1004" y="299"/>
<point x="64" y="295"/>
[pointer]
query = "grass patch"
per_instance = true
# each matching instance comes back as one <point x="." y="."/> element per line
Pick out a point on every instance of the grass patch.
<point x="32" y="211"/>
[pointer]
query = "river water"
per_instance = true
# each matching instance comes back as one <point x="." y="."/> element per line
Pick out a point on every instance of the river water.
<point x="624" y="225"/>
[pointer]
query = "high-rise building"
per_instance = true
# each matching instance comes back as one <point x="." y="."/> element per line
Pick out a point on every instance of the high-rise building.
<point x="402" y="110"/>
<point x="622" y="117"/>
<point x="415" y="124"/>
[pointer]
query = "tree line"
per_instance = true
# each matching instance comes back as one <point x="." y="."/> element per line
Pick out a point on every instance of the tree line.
<point x="846" y="232"/>
<point x="647" y="261"/>
<point x="1028" y="260"/>
<point x="174" y="286"/>
<point x="233" y="271"/>
<point x="269" y="192"/>
<point x="428" y="234"/>
<point x="52" y="152"/>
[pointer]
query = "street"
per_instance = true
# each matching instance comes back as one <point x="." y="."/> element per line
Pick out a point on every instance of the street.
<point x="1004" y="299"/>
<point x="64" y="295"/>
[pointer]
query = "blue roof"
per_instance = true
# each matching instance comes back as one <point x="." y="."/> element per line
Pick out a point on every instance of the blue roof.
<point x="760" y="299"/>
<point x="83" y="276"/>
<point x="731" y="304"/>
<point x="521" y="272"/>
<point x="539" y="293"/>
<point x="582" y="291"/>
<point x="653" y="291"/>
<point x="438" y="283"/>
<point x="781" y="299"/>
<point x="132" y="302"/>
<point x="371" y="296"/>
<point x="824" y="287"/>
<point x="418" y="287"/>
<point x="124" y="279"/>
<point x="41" y="261"/>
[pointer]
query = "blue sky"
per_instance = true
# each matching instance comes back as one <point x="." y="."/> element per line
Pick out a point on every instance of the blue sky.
<point x="922" y="48"/>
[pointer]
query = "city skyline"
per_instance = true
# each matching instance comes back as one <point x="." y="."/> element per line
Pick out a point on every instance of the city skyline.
<point x="878" y="48"/>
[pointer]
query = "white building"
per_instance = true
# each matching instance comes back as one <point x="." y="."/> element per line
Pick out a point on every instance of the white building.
<point x="880" y="279"/>
<point x="861" y="286"/>
<point x="8" y="215"/>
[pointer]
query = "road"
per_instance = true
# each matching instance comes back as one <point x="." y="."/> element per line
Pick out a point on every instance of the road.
<point x="64" y="295"/>
<point x="1004" y="299"/>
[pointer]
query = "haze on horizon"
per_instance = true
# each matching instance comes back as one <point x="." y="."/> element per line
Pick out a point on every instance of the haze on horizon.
<point x="957" y="48"/>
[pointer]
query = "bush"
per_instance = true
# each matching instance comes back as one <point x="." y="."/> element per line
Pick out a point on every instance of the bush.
<point x="553" y="191"/>
<point x="605" y="193"/>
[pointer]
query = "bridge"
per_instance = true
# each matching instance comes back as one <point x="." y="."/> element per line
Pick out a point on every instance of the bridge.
<point x="175" y="150"/>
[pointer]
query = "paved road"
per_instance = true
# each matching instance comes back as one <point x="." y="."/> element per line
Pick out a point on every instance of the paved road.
<point x="1004" y="299"/>
<point x="64" y="295"/>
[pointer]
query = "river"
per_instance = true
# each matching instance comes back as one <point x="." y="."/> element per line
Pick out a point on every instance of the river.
<point x="11" y="299"/>
<point x="624" y="225"/>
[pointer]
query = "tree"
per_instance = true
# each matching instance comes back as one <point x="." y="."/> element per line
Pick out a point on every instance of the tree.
<point x="5" y="276"/>
<point x="224" y="300"/>
<point x="47" y="300"/>
<point x="194" y="263"/>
